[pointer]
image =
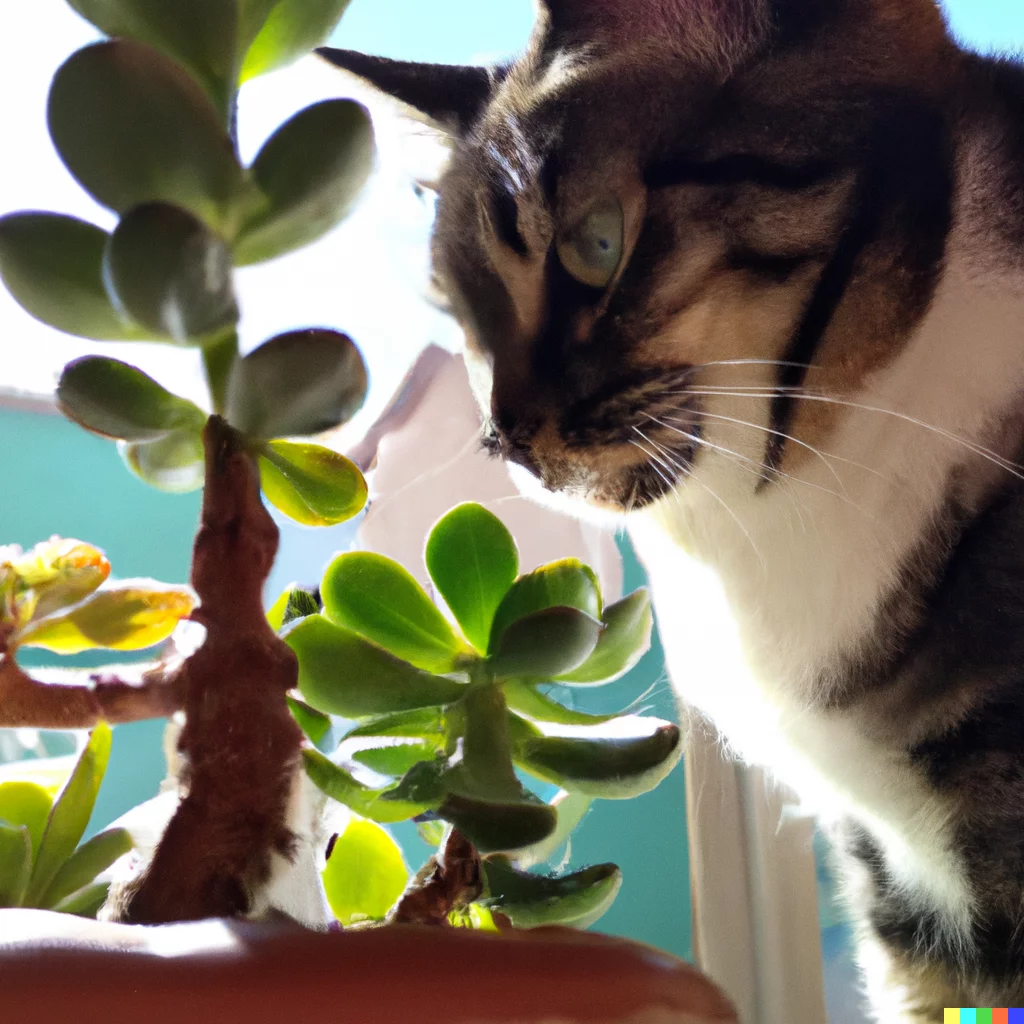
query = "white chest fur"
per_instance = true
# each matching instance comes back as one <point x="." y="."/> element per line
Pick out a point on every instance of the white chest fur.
<point x="759" y="595"/>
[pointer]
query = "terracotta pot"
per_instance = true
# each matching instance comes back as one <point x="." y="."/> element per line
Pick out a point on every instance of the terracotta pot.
<point x="55" y="968"/>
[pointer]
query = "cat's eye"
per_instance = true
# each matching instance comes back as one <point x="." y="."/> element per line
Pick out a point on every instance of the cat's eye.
<point x="592" y="250"/>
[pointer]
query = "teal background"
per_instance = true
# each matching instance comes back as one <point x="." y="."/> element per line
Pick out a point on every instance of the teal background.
<point x="57" y="479"/>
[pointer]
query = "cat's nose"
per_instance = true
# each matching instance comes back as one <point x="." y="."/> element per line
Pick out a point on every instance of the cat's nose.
<point x="512" y="446"/>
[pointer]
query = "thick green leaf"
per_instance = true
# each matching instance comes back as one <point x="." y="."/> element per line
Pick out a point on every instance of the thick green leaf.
<point x="88" y="861"/>
<point x="565" y="584"/>
<point x="365" y="873"/>
<point x="169" y="272"/>
<point x="206" y="36"/>
<point x="494" y="827"/>
<point x="546" y="643"/>
<point x="71" y="813"/>
<point x="624" y="640"/>
<point x="125" y="617"/>
<point x="174" y="463"/>
<point x="376" y="804"/>
<point x="15" y="863"/>
<point x="313" y="723"/>
<point x="53" y="267"/>
<point x="533" y="901"/>
<point x="571" y="809"/>
<point x="311" y="171"/>
<point x="525" y="698"/>
<point x="26" y="803"/>
<point x="378" y="598"/>
<point x="473" y="562"/>
<point x="342" y="673"/>
<point x="297" y="384"/>
<point x="311" y="484"/>
<point x="292" y="30"/>
<point x="86" y="902"/>
<point x="621" y="760"/>
<point x="114" y="399"/>
<point x="133" y="127"/>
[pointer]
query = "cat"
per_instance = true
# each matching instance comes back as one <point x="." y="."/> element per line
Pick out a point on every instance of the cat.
<point x="749" y="275"/>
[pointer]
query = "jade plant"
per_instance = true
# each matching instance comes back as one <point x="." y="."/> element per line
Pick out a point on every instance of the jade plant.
<point x="446" y="710"/>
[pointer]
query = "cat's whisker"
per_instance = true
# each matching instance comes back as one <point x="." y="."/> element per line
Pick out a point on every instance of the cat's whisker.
<point x="1014" y="468"/>
<point x="704" y="486"/>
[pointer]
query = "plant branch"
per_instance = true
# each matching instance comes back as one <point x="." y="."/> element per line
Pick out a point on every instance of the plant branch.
<point x="55" y="699"/>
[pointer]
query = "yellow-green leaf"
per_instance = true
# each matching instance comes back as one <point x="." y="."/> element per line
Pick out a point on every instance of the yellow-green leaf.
<point x="365" y="873"/>
<point x="292" y="30"/>
<point x="15" y="863"/>
<point x="311" y="484"/>
<point x="379" y="599"/>
<point x="473" y="562"/>
<point x="342" y="673"/>
<point x="26" y="803"/>
<point x="89" y="860"/>
<point x="125" y="617"/>
<point x="70" y="813"/>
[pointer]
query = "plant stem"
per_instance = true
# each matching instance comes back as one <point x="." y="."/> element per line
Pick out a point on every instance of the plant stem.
<point x="240" y="740"/>
<point x="449" y="881"/>
<point x="218" y="359"/>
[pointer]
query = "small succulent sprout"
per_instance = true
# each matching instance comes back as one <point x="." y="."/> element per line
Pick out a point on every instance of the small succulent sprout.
<point x="313" y="485"/>
<point x="53" y="267"/>
<point x="133" y="127"/>
<point x="297" y="385"/>
<point x="290" y="31"/>
<point x="533" y="901"/>
<point x="55" y="574"/>
<point x="294" y="602"/>
<point x="377" y="598"/>
<point x="56" y="596"/>
<point x="309" y="174"/>
<point x="343" y="673"/>
<point x="473" y="561"/>
<point x="41" y="862"/>
<point x="166" y="270"/>
<point x="365" y="872"/>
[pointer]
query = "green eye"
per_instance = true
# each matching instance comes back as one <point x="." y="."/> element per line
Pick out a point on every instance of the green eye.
<point x="591" y="251"/>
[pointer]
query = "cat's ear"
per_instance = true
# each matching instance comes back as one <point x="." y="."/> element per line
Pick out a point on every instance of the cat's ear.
<point x="450" y="95"/>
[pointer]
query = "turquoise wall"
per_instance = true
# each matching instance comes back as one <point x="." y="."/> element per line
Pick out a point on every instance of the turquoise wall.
<point x="57" y="479"/>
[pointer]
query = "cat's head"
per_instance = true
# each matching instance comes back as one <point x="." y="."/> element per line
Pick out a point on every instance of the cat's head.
<point x="663" y="201"/>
